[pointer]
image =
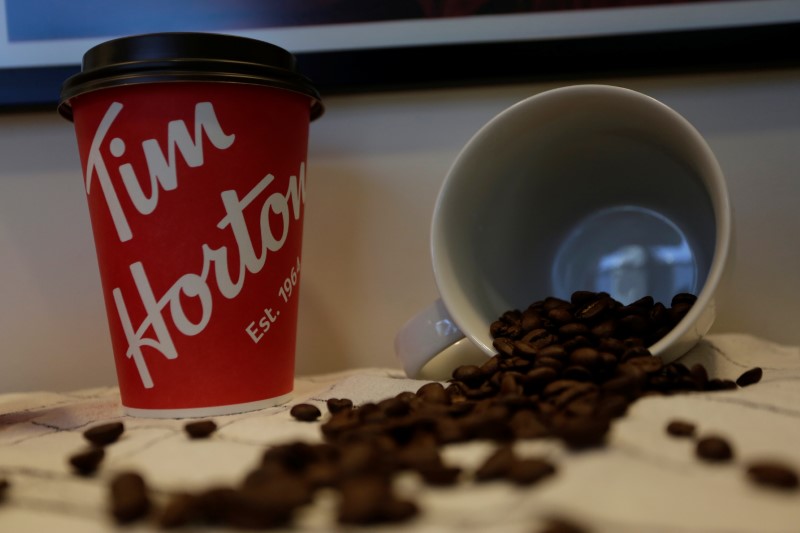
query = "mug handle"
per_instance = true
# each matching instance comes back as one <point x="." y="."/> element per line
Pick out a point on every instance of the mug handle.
<point x="430" y="345"/>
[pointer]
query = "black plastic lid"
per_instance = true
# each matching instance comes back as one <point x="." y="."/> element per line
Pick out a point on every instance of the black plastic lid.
<point x="170" y="57"/>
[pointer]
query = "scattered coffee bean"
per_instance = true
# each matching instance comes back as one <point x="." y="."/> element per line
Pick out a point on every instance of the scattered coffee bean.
<point x="129" y="499"/>
<point x="714" y="449"/>
<point x="560" y="525"/>
<point x="305" y="412"/>
<point x="530" y="471"/>
<point x="4" y="486"/>
<point x="750" y="377"/>
<point x="681" y="428"/>
<point x="104" y="434"/>
<point x="772" y="474"/>
<point x="86" y="462"/>
<point x="200" y="429"/>
<point x="181" y="509"/>
<point x="336" y="405"/>
<point x="369" y="500"/>
<point x="497" y="465"/>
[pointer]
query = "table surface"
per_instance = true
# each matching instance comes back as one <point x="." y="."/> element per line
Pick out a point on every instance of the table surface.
<point x="642" y="480"/>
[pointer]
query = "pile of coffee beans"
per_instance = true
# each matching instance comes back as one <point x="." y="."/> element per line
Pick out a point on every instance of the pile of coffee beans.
<point x="564" y="369"/>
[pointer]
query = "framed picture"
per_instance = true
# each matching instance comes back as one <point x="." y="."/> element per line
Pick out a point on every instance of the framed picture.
<point x="358" y="45"/>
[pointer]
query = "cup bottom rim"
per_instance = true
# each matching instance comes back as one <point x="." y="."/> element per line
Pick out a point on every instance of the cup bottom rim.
<point x="199" y="412"/>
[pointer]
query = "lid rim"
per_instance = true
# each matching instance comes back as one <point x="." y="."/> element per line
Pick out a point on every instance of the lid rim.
<point x="183" y="57"/>
<point x="65" y="107"/>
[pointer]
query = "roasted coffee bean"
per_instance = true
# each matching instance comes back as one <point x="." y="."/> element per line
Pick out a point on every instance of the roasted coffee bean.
<point x="646" y="363"/>
<point x="433" y="392"/>
<point x="680" y="428"/>
<point x="4" y="486"/>
<point x="560" y="525"/>
<point x="439" y="475"/>
<point x="470" y="375"/>
<point x="370" y="413"/>
<point x="530" y="471"/>
<point x="561" y="315"/>
<point x="528" y="425"/>
<point x="720" y="384"/>
<point x="580" y="432"/>
<point x="87" y="461"/>
<point x="772" y="474"/>
<point x="200" y="429"/>
<point x="243" y="509"/>
<point x="369" y="500"/>
<point x="504" y="345"/>
<point x="683" y="298"/>
<point x="181" y="509"/>
<point x="305" y="412"/>
<point x="586" y="357"/>
<point x="497" y="465"/>
<point x="577" y="372"/>
<point x="699" y="375"/>
<point x="104" y="434"/>
<point x="750" y="377"/>
<point x="541" y="376"/>
<point x="336" y="405"/>
<point x="592" y="309"/>
<point x="714" y="449"/>
<point x="129" y="499"/>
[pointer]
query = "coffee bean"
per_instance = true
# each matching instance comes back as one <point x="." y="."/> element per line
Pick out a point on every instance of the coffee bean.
<point x="526" y="424"/>
<point x="440" y="475"/>
<point x="244" y="509"/>
<point x="561" y="315"/>
<point x="587" y="357"/>
<point x="129" y="499"/>
<point x="720" y="384"/>
<point x="370" y="500"/>
<point x="336" y="405"/>
<point x="560" y="525"/>
<point x="104" y="434"/>
<point x="772" y="474"/>
<point x="580" y="432"/>
<point x="593" y="309"/>
<point x="750" y="377"/>
<point x="714" y="449"/>
<point x="433" y="392"/>
<point x="4" y="486"/>
<point x="683" y="298"/>
<point x="497" y="465"/>
<point x="86" y="462"/>
<point x="200" y="429"/>
<point x="180" y="510"/>
<point x="680" y="428"/>
<point x="305" y="412"/>
<point x="530" y="471"/>
<point x="470" y="375"/>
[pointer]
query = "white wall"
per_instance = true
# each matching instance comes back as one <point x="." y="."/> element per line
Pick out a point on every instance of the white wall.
<point x="375" y="165"/>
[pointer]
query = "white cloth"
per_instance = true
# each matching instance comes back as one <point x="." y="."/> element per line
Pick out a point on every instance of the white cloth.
<point x="642" y="481"/>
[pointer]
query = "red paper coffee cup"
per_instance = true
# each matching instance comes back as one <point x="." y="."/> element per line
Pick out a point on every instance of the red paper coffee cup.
<point x="193" y="149"/>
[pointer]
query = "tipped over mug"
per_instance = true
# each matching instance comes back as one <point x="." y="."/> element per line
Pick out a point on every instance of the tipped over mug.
<point x="579" y="188"/>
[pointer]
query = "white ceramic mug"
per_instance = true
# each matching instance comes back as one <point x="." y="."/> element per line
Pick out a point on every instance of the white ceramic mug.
<point x="585" y="187"/>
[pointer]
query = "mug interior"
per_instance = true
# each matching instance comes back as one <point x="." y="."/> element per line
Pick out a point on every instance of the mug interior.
<point x="587" y="188"/>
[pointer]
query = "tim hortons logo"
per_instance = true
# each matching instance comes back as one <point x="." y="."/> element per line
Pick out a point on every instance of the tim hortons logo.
<point x="153" y="332"/>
